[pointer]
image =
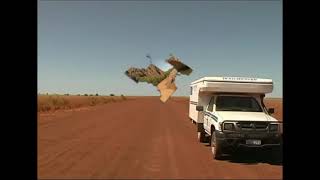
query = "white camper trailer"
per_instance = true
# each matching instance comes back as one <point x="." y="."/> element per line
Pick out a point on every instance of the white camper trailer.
<point x="231" y="112"/>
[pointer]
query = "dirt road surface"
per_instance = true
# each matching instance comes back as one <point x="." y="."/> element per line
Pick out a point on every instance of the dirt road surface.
<point x="141" y="138"/>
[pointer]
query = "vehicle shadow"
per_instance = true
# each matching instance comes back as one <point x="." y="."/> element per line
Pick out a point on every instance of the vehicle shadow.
<point x="254" y="157"/>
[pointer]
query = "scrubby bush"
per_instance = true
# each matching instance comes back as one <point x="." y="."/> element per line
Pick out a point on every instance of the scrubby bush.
<point x="97" y="94"/>
<point x="123" y="97"/>
<point x="93" y="101"/>
<point x="57" y="102"/>
<point x="105" y="100"/>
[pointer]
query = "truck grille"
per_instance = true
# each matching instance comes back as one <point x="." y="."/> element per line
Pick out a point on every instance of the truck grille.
<point x="252" y="126"/>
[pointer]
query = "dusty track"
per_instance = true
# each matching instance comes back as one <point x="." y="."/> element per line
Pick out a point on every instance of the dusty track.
<point x="141" y="138"/>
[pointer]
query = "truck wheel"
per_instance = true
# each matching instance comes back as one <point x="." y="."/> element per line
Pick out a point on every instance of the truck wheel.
<point x="215" y="147"/>
<point x="276" y="152"/>
<point x="201" y="137"/>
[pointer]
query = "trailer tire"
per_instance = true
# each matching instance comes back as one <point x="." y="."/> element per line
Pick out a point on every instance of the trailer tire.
<point x="215" y="146"/>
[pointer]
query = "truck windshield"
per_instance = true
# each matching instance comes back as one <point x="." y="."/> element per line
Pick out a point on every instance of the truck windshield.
<point x="237" y="103"/>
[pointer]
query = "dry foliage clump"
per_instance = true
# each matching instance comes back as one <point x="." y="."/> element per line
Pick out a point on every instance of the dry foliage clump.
<point x="56" y="102"/>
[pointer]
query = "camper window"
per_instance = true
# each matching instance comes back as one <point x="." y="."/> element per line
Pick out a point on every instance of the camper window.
<point x="210" y="107"/>
<point x="237" y="103"/>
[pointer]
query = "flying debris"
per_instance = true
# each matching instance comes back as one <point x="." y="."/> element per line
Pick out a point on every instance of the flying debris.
<point x="164" y="81"/>
<point x="179" y="66"/>
<point x="149" y="57"/>
<point x="167" y="87"/>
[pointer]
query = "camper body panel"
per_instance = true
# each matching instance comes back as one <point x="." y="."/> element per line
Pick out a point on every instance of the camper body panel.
<point x="198" y="97"/>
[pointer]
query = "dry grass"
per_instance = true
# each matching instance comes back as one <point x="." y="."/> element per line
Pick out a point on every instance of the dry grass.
<point x="56" y="102"/>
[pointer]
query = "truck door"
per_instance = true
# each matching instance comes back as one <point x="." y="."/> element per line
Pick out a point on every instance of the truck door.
<point x="207" y="115"/>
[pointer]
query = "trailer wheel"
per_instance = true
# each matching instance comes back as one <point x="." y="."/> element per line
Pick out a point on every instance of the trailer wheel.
<point x="201" y="137"/>
<point x="215" y="147"/>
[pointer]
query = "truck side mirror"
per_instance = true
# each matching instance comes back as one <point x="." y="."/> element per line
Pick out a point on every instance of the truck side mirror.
<point x="199" y="108"/>
<point x="271" y="110"/>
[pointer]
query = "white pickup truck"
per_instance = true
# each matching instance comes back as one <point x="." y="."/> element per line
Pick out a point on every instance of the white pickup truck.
<point x="230" y="110"/>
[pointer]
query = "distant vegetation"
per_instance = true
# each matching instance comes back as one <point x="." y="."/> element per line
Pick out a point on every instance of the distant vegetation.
<point x="67" y="101"/>
<point x="52" y="102"/>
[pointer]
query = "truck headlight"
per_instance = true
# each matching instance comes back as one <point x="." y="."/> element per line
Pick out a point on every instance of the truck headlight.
<point x="228" y="126"/>
<point x="273" y="127"/>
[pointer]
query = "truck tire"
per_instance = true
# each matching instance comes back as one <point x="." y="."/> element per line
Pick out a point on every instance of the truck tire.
<point x="276" y="152"/>
<point x="215" y="147"/>
<point x="201" y="137"/>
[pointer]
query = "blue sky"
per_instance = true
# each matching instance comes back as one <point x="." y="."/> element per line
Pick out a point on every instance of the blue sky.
<point x="85" y="47"/>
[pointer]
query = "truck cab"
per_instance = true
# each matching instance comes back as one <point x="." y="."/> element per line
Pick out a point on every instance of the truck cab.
<point x="234" y="119"/>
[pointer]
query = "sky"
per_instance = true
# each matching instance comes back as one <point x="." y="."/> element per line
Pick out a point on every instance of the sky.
<point x="86" y="46"/>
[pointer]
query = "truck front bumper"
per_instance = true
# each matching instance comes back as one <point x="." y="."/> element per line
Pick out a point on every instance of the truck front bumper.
<point x="235" y="140"/>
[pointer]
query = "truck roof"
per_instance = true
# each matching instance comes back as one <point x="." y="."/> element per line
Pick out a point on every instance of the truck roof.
<point x="234" y="79"/>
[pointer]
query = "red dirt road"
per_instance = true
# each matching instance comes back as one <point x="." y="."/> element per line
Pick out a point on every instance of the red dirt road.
<point x="141" y="138"/>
